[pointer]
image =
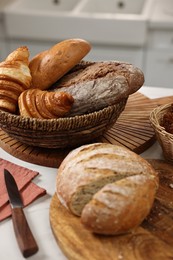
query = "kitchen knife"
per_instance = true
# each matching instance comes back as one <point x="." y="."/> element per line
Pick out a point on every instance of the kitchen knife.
<point x="24" y="236"/>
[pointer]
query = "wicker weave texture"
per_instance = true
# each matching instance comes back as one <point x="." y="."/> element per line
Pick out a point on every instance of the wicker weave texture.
<point x="164" y="138"/>
<point x="63" y="132"/>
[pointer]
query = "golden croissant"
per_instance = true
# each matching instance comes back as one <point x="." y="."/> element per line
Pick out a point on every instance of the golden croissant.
<point x="15" y="77"/>
<point x="41" y="104"/>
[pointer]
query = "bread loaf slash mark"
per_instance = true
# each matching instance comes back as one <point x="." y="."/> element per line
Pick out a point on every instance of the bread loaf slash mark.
<point x="112" y="164"/>
<point x="89" y="157"/>
<point x="85" y="193"/>
<point x="129" y="199"/>
<point x="86" y="153"/>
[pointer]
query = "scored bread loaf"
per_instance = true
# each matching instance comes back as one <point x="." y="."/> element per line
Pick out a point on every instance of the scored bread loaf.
<point x="95" y="85"/>
<point x="50" y="65"/>
<point x="120" y="206"/>
<point x="109" y="186"/>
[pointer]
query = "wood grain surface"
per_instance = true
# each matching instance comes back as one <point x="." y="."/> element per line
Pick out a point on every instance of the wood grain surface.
<point x="132" y="130"/>
<point x="152" y="240"/>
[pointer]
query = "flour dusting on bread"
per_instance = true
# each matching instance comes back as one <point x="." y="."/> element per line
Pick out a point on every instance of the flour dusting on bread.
<point x="89" y="170"/>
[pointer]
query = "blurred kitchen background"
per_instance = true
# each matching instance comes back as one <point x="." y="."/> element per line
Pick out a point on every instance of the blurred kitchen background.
<point x="136" y="31"/>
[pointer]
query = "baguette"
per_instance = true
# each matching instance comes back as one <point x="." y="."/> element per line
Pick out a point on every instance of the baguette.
<point x="50" y="65"/>
<point x="105" y="181"/>
<point x="95" y="85"/>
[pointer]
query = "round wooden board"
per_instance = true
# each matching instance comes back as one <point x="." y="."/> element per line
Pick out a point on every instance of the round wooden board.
<point x="132" y="130"/>
<point x="152" y="240"/>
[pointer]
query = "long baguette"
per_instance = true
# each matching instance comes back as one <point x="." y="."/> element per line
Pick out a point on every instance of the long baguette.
<point x="50" y="65"/>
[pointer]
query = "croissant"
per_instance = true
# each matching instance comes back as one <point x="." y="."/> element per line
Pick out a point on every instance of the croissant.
<point x="41" y="104"/>
<point x="15" y="77"/>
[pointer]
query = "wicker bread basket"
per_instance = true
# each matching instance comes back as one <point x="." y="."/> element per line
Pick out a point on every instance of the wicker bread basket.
<point x="164" y="138"/>
<point x="63" y="132"/>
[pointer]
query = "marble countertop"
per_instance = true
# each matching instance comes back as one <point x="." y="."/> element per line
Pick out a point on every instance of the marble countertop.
<point x="38" y="212"/>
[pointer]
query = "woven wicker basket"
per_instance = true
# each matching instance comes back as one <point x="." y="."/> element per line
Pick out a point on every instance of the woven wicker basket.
<point x="63" y="132"/>
<point x="164" y="138"/>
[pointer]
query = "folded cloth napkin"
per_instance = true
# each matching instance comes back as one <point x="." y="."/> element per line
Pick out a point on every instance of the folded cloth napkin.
<point x="23" y="178"/>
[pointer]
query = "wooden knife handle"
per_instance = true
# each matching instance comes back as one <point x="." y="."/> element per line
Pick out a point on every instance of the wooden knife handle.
<point x="24" y="236"/>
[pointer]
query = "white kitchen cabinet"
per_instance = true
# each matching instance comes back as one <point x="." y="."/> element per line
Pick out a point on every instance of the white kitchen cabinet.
<point x="3" y="46"/>
<point x="159" y="67"/>
<point x="154" y="54"/>
<point x="159" y="58"/>
<point x="133" y="55"/>
<point x="34" y="46"/>
<point x="3" y="50"/>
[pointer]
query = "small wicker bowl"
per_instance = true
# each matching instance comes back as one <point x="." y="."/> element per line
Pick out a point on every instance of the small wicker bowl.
<point x="63" y="132"/>
<point x="164" y="138"/>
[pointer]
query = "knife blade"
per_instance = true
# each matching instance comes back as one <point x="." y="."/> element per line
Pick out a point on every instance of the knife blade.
<point x="24" y="236"/>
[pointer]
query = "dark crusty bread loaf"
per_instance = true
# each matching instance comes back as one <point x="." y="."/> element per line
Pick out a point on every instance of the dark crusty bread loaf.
<point x="102" y="183"/>
<point x="95" y="85"/>
<point x="90" y="70"/>
<point x="50" y="65"/>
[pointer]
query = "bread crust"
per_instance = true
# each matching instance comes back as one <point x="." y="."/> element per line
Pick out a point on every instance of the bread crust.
<point x="121" y="206"/>
<point x="15" y="78"/>
<point x="36" y="103"/>
<point x="88" y="182"/>
<point x="50" y="65"/>
<point x="86" y="71"/>
<point x="95" y="85"/>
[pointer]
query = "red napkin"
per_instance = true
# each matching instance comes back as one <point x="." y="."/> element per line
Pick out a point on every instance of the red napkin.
<point x="23" y="178"/>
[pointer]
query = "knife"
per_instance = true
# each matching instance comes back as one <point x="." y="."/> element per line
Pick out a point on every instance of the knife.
<point x="24" y="236"/>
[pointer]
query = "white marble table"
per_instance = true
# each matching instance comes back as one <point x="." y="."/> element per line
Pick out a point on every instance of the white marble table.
<point x="38" y="212"/>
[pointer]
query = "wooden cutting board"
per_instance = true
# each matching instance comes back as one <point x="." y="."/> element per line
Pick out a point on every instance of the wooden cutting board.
<point x="153" y="240"/>
<point x="132" y="130"/>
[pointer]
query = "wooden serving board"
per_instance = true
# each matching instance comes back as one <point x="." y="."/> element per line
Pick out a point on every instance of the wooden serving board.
<point x="152" y="240"/>
<point x="132" y="130"/>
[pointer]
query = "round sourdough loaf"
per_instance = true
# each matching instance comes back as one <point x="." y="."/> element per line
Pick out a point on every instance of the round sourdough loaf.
<point x="109" y="186"/>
